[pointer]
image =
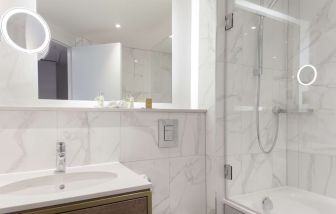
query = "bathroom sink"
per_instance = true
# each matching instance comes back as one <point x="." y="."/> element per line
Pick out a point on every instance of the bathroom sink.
<point x="44" y="188"/>
<point x="57" y="183"/>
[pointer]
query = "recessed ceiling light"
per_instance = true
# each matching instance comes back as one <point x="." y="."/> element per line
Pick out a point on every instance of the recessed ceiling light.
<point x="253" y="27"/>
<point x="118" y="26"/>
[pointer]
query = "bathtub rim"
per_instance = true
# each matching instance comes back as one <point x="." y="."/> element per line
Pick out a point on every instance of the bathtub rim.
<point x="238" y="207"/>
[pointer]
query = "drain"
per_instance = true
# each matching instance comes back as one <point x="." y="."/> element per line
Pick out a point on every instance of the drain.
<point x="61" y="187"/>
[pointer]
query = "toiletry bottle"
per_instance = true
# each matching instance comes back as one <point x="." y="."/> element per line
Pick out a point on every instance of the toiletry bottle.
<point x="149" y="103"/>
<point x="100" y="99"/>
<point x="131" y="102"/>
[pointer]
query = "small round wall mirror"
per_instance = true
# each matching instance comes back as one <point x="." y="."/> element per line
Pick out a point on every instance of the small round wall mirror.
<point x="307" y="75"/>
<point x="25" y="30"/>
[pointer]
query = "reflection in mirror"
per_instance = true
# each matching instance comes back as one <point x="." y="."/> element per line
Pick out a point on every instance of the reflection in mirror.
<point x="122" y="49"/>
<point x="307" y="75"/>
<point x="25" y="30"/>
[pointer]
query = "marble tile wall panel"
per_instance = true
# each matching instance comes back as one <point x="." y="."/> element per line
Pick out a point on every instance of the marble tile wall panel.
<point x="311" y="147"/>
<point x="139" y="132"/>
<point x="178" y="183"/>
<point x="255" y="172"/>
<point x="26" y="138"/>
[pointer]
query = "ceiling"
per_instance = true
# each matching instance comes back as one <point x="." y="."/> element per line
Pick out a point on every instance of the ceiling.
<point x="145" y="24"/>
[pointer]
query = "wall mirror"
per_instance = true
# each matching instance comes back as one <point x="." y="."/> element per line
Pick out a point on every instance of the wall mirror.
<point x="25" y="30"/>
<point x="120" y="48"/>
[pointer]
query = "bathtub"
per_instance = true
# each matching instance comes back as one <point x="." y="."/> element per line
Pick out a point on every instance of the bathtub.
<point x="286" y="200"/>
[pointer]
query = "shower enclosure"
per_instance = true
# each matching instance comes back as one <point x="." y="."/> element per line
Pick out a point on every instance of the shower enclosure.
<point x="280" y="109"/>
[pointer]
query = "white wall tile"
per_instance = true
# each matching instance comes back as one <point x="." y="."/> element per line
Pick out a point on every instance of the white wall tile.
<point x="187" y="185"/>
<point x="73" y="129"/>
<point x="104" y="136"/>
<point x="26" y="139"/>
<point x="158" y="172"/>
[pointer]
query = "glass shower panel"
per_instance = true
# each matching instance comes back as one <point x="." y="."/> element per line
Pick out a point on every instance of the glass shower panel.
<point x="256" y="56"/>
<point x="287" y="48"/>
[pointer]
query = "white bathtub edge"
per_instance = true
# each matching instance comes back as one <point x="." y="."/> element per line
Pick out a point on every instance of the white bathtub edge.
<point x="237" y="207"/>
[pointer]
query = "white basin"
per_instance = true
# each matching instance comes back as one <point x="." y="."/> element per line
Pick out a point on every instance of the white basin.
<point x="57" y="183"/>
<point x="44" y="188"/>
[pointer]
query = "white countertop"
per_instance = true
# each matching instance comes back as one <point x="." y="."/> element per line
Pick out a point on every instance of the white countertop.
<point x="125" y="181"/>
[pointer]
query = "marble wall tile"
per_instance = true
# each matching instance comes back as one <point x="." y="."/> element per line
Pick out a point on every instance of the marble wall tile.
<point x="178" y="183"/>
<point x="311" y="136"/>
<point x="139" y="131"/>
<point x="257" y="172"/>
<point x="73" y="129"/>
<point x="24" y="134"/>
<point x="191" y="133"/>
<point x="104" y="136"/>
<point x="187" y="185"/>
<point x="158" y="172"/>
<point x="292" y="168"/>
<point x="306" y="162"/>
<point x="317" y="173"/>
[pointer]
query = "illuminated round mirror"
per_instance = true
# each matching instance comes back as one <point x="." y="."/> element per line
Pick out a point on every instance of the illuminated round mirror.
<point x="25" y="30"/>
<point x="307" y="75"/>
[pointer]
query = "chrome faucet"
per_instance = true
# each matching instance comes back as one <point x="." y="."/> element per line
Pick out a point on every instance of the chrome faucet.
<point x="60" y="157"/>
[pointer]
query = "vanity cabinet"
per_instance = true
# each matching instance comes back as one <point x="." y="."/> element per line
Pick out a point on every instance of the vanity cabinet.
<point x="131" y="203"/>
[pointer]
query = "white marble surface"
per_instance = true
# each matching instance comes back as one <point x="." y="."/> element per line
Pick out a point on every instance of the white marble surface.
<point x="311" y="150"/>
<point x="124" y="182"/>
<point x="178" y="183"/>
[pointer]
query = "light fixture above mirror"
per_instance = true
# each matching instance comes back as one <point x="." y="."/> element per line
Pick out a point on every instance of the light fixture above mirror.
<point x="25" y="31"/>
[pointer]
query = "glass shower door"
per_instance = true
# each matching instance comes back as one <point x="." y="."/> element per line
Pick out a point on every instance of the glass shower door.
<point x="280" y="109"/>
<point x="256" y="80"/>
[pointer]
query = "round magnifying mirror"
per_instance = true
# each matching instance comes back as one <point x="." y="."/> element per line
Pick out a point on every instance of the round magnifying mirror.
<point x="25" y="30"/>
<point x="307" y="75"/>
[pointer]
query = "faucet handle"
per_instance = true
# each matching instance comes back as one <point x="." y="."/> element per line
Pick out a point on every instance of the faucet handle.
<point x="60" y="147"/>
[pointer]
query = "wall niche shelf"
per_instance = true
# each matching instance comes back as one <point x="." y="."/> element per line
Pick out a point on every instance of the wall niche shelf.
<point x="296" y="111"/>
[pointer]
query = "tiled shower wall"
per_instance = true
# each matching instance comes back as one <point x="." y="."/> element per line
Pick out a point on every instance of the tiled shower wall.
<point x="28" y="140"/>
<point x="311" y="137"/>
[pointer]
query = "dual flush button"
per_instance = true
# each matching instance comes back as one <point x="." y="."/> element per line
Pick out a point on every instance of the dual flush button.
<point x="168" y="133"/>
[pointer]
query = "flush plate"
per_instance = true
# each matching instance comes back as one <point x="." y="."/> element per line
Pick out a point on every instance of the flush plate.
<point x="168" y="133"/>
